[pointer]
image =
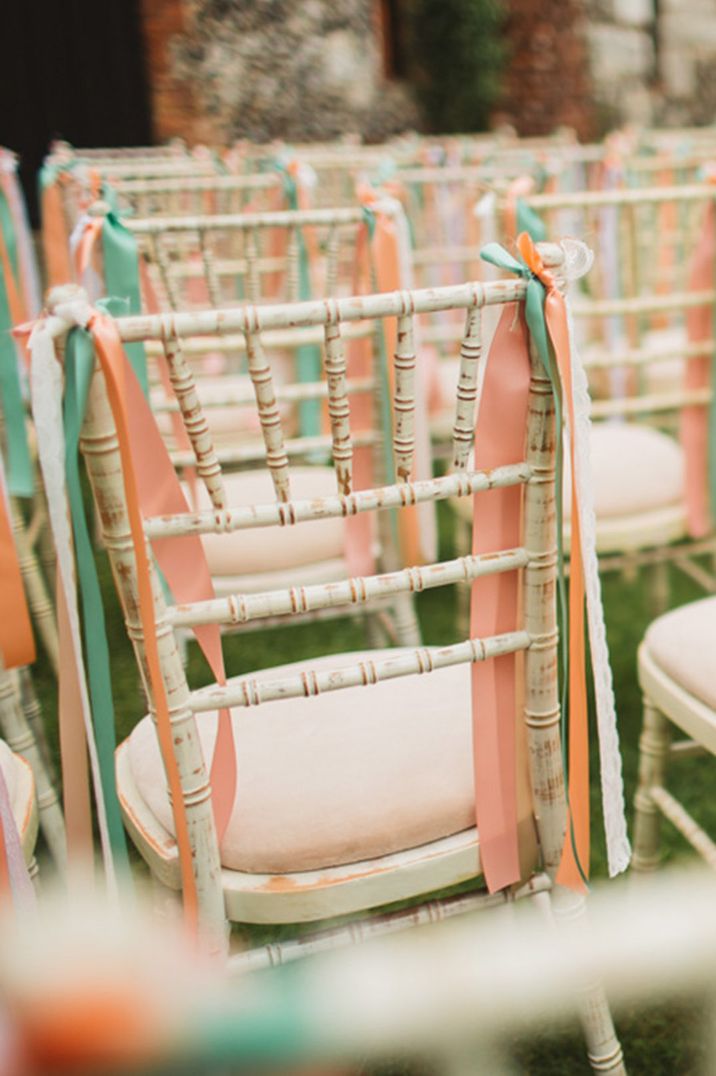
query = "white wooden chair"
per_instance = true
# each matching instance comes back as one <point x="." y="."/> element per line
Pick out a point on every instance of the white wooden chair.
<point x="675" y="670"/>
<point x="325" y="823"/>
<point x="194" y="262"/>
<point x="633" y="339"/>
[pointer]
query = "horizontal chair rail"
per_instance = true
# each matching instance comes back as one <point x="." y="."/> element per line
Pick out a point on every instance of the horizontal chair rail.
<point x="307" y="390"/>
<point x="177" y="184"/>
<point x="245" y="221"/>
<point x="275" y="338"/>
<point x="288" y="513"/>
<point x="239" y="608"/>
<point x="647" y="304"/>
<point x="634" y="196"/>
<point x="255" y="451"/>
<point x="252" y="692"/>
<point x="252" y="319"/>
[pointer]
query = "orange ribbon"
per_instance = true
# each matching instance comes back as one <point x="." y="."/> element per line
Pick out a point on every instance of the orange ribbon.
<point x="17" y="645"/>
<point x="694" y="432"/>
<point x="494" y="604"/>
<point x="55" y="239"/>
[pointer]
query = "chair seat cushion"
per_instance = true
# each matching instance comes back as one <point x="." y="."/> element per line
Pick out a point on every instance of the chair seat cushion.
<point x="263" y="549"/>
<point x="341" y="777"/>
<point x="635" y="469"/>
<point x="681" y="643"/>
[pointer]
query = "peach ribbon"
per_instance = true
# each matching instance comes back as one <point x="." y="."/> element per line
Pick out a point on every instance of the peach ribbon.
<point x="494" y="604"/>
<point x="17" y="645"/>
<point x="55" y="238"/>
<point x="695" y="430"/>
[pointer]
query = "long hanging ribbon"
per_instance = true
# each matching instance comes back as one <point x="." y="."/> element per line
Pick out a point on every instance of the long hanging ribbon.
<point x="17" y="645"/>
<point x="121" y="279"/>
<point x="20" y="472"/>
<point x="499" y="440"/>
<point x="76" y="729"/>
<point x="28" y="272"/>
<point x="79" y="366"/>
<point x="17" y="648"/>
<point x="55" y="237"/>
<point x="152" y="487"/>
<point x="698" y="422"/>
<point x="182" y="561"/>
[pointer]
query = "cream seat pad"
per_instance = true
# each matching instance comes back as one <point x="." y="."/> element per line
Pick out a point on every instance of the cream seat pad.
<point x="681" y="642"/>
<point x="635" y="469"/>
<point x="342" y="777"/>
<point x="266" y="549"/>
<point x="8" y="763"/>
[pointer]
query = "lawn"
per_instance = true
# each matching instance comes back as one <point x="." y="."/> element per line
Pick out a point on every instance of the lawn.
<point x="655" y="1042"/>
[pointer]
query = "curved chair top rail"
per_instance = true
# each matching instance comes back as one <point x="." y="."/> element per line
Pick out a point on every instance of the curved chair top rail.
<point x="252" y="319"/>
<point x="288" y="218"/>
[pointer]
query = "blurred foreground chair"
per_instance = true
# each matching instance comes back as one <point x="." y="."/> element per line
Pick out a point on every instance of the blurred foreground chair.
<point x="349" y="801"/>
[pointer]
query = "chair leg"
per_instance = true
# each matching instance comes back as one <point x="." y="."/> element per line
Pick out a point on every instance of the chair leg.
<point x="653" y="754"/>
<point x="660" y="589"/>
<point x="604" y="1050"/>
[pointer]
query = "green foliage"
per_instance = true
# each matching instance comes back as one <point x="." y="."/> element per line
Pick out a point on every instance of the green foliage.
<point x="457" y="55"/>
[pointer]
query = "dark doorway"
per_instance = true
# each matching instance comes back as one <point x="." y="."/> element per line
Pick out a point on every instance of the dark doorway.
<point x="74" y="70"/>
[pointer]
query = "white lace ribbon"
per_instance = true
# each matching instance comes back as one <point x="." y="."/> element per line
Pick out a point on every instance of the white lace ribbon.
<point x="612" y="784"/>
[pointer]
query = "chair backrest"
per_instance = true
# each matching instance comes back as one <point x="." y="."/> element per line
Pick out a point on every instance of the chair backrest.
<point x="175" y="196"/>
<point x="535" y="554"/>
<point x="221" y="259"/>
<point x="632" y="313"/>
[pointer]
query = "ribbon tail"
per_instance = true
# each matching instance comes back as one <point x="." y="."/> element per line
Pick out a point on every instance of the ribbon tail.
<point x="612" y="784"/>
<point x="494" y="606"/>
<point x="46" y="381"/>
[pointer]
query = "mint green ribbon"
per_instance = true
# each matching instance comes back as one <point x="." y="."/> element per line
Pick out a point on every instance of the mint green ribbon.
<point x="308" y="356"/>
<point x="529" y="221"/>
<point x="121" y="279"/>
<point x="537" y="325"/>
<point x="20" y="477"/>
<point x="79" y="366"/>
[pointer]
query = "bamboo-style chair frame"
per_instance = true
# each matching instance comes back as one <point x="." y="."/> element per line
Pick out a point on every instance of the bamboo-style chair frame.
<point x="314" y="894"/>
<point x="646" y="300"/>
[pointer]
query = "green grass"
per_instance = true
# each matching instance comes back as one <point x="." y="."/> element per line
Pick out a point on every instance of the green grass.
<point x="657" y="1041"/>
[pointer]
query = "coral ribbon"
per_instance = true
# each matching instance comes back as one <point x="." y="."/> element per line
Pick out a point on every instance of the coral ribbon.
<point x="17" y="646"/>
<point x="494" y="604"/>
<point x="698" y="421"/>
<point x="55" y="238"/>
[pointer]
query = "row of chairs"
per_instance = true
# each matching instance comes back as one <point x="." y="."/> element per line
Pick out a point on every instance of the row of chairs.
<point x="186" y="273"/>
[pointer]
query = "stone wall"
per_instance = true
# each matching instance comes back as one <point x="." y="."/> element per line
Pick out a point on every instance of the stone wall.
<point x="316" y="69"/>
<point x="263" y="69"/>
<point x="653" y="62"/>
